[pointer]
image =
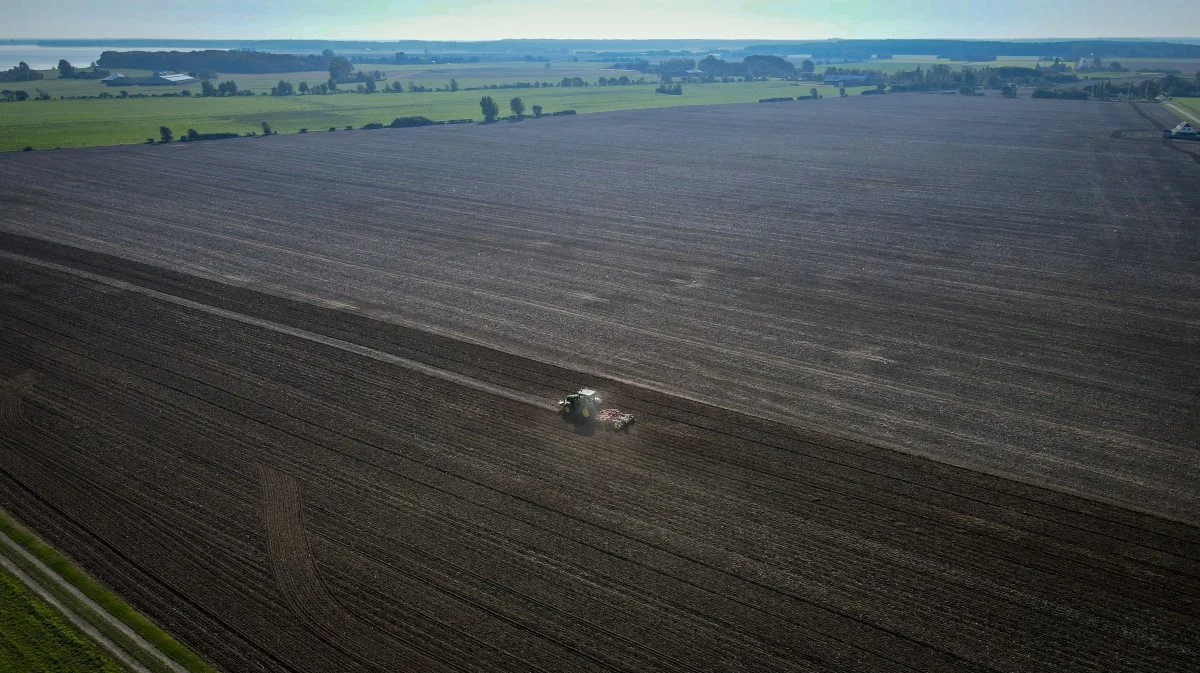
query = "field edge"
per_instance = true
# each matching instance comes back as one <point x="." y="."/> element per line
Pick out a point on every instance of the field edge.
<point x="117" y="609"/>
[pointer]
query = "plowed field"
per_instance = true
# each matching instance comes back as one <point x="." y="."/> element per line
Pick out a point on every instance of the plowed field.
<point x="292" y="397"/>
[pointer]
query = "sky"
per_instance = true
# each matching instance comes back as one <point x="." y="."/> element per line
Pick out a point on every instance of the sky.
<point x="496" y="19"/>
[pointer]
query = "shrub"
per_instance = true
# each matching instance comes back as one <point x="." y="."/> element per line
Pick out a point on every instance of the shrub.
<point x="776" y="100"/>
<point x="408" y="122"/>
<point x="372" y="125"/>
<point x="332" y="129"/>
<point x="192" y="135"/>
<point x="28" y="148"/>
<point x="304" y="130"/>
<point x="563" y="113"/>
<point x="349" y="128"/>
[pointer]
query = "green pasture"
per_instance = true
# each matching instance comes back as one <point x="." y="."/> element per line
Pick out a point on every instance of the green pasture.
<point x="1191" y="106"/>
<point x="433" y="76"/>
<point x="35" y="638"/>
<point x="83" y="123"/>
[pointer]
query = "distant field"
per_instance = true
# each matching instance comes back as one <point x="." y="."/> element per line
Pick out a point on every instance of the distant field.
<point x="86" y="123"/>
<point x="34" y="638"/>
<point x="1192" y="105"/>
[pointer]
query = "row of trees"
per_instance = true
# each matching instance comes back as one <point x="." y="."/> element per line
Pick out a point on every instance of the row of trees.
<point x="20" y="73"/>
<point x="227" y="88"/>
<point x="227" y="61"/>
<point x="68" y="71"/>
<point x="10" y="96"/>
<point x="491" y="109"/>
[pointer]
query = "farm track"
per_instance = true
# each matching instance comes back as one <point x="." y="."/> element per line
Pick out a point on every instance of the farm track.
<point x="281" y="503"/>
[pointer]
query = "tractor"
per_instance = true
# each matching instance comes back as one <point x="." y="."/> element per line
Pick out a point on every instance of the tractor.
<point x="584" y="407"/>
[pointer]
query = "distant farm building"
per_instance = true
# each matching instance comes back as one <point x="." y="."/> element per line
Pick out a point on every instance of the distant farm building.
<point x="160" y="78"/>
<point x="848" y="80"/>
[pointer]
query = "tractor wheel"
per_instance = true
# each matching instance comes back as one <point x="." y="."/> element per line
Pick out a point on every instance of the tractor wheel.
<point x="585" y="412"/>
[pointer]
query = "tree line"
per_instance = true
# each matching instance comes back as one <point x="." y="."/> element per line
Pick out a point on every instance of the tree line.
<point x="245" y="62"/>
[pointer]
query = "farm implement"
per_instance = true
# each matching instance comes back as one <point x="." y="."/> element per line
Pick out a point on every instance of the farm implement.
<point x="586" y="407"/>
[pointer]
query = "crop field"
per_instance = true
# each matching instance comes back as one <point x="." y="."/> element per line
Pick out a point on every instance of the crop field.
<point x="85" y="123"/>
<point x="914" y="379"/>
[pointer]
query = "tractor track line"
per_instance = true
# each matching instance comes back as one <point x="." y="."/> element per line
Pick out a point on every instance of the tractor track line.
<point x="446" y="375"/>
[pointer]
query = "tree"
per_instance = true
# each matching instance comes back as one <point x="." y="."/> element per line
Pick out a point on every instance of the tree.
<point x="371" y="87"/>
<point x="453" y="84"/>
<point x="303" y="87"/>
<point x="207" y="89"/>
<point x="266" y="129"/>
<point x="228" y="88"/>
<point x="490" y="110"/>
<point x="807" y="66"/>
<point x="339" y="69"/>
<point x="813" y="92"/>
<point x="537" y="111"/>
<point x="192" y="134"/>
<point x="517" y="106"/>
<point x="65" y="69"/>
<point x="21" y="94"/>
<point x="842" y="91"/>
<point x="332" y="85"/>
<point x="165" y="133"/>
<point x="283" y="89"/>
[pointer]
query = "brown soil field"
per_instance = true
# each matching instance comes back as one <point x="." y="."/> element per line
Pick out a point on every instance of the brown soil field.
<point x="1005" y="285"/>
<point x="292" y="396"/>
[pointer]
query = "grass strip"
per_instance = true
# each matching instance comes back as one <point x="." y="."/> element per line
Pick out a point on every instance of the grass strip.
<point x="35" y="638"/>
<point x="106" y="599"/>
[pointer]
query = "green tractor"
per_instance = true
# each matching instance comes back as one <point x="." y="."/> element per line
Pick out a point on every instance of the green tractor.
<point x="582" y="407"/>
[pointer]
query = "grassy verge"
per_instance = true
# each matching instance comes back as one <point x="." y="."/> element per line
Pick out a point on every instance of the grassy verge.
<point x="106" y="599"/>
<point x="35" y="638"/>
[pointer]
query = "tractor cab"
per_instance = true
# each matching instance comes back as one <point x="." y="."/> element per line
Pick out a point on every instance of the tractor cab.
<point x="581" y="406"/>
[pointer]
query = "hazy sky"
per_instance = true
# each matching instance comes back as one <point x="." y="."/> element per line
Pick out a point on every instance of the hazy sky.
<point x="484" y="19"/>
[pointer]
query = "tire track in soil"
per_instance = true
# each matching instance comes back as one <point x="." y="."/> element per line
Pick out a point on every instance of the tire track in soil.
<point x="12" y="404"/>
<point x="302" y="591"/>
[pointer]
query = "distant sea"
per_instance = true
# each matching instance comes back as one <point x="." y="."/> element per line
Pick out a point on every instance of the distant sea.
<point x="45" y="58"/>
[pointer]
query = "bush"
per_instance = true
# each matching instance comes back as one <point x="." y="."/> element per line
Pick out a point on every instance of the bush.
<point x="408" y="122"/>
<point x="28" y="148"/>
<point x="1061" y="94"/>
<point x="349" y="128"/>
<point x="562" y="113"/>
<point x="192" y="134"/>
<point x="304" y="130"/>
<point x="458" y="121"/>
<point x="332" y="129"/>
<point x="371" y="126"/>
<point x="775" y="100"/>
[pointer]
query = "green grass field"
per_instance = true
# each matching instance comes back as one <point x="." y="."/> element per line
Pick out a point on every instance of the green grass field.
<point x="35" y="638"/>
<point x="1190" y="105"/>
<point x="82" y="123"/>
